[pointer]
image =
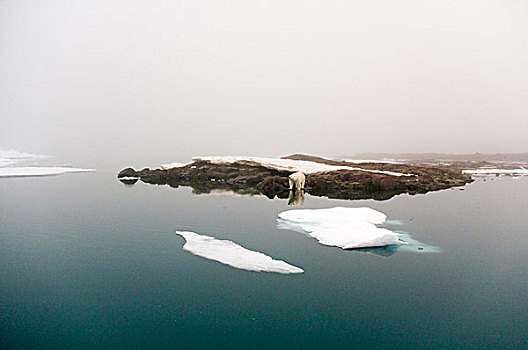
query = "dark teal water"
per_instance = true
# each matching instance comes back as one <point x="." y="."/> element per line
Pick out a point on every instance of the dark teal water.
<point x="87" y="262"/>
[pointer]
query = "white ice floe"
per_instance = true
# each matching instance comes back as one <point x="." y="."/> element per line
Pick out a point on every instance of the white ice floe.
<point x="347" y="228"/>
<point x="39" y="171"/>
<point x="172" y="165"/>
<point x="229" y="253"/>
<point x="484" y="172"/>
<point x="306" y="167"/>
<point x="10" y="157"/>
<point x="6" y="162"/>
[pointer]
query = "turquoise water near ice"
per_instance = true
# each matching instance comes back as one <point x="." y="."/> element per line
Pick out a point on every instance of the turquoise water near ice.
<point x="87" y="262"/>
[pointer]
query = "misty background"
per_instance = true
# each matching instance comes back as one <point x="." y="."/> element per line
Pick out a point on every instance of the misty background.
<point x="144" y="82"/>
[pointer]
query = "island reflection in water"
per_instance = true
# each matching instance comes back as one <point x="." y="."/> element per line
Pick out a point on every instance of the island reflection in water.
<point x="294" y="198"/>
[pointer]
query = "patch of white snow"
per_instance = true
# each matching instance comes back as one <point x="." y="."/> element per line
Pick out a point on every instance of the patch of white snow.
<point x="172" y="165"/>
<point x="307" y="167"/>
<point x="386" y="161"/>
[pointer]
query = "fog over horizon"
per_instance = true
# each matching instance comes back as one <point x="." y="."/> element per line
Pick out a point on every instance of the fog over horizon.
<point x="131" y="81"/>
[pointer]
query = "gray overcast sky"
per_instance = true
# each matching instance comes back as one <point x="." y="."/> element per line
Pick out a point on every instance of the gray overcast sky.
<point x="131" y="79"/>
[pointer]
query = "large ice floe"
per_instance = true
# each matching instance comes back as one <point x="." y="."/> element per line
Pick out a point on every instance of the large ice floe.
<point x="39" y="171"/>
<point x="347" y="228"/>
<point x="307" y="167"/>
<point x="230" y="253"/>
<point x="9" y="158"/>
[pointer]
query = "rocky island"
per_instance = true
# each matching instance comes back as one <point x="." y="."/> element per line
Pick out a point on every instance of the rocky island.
<point x="324" y="177"/>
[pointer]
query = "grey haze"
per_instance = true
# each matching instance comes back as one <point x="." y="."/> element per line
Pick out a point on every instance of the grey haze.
<point x="164" y="80"/>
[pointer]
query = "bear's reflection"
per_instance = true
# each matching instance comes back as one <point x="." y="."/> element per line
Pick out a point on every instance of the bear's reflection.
<point x="296" y="197"/>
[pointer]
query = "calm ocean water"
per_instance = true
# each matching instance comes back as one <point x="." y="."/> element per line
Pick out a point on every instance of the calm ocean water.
<point x="87" y="262"/>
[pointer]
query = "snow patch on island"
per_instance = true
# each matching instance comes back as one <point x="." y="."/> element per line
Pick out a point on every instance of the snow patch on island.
<point x="307" y="167"/>
<point x="383" y="161"/>
<point x="347" y="228"/>
<point x="172" y="165"/>
<point x="229" y="253"/>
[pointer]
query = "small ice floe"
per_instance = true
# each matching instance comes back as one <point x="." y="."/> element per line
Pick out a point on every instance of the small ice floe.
<point x="487" y="172"/>
<point x="347" y="228"/>
<point x="229" y="253"/>
<point x="172" y="165"/>
<point x="39" y="171"/>
<point x="307" y="167"/>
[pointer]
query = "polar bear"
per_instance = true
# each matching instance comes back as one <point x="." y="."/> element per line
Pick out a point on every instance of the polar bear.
<point x="297" y="179"/>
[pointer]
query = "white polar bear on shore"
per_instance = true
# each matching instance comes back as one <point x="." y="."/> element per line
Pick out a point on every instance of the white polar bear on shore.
<point x="297" y="179"/>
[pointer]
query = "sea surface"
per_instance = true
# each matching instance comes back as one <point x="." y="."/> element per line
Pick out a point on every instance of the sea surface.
<point x="88" y="262"/>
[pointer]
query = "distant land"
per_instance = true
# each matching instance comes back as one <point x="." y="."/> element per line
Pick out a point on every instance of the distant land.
<point x="435" y="157"/>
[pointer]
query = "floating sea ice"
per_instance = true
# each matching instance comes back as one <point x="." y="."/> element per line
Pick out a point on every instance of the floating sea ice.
<point x="11" y="157"/>
<point x="13" y="154"/>
<point x="347" y="228"/>
<point x="39" y="171"/>
<point x="484" y="172"/>
<point x="6" y="162"/>
<point x="232" y="254"/>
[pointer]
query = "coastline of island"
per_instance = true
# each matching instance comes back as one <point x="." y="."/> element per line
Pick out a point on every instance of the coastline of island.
<point x="337" y="179"/>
